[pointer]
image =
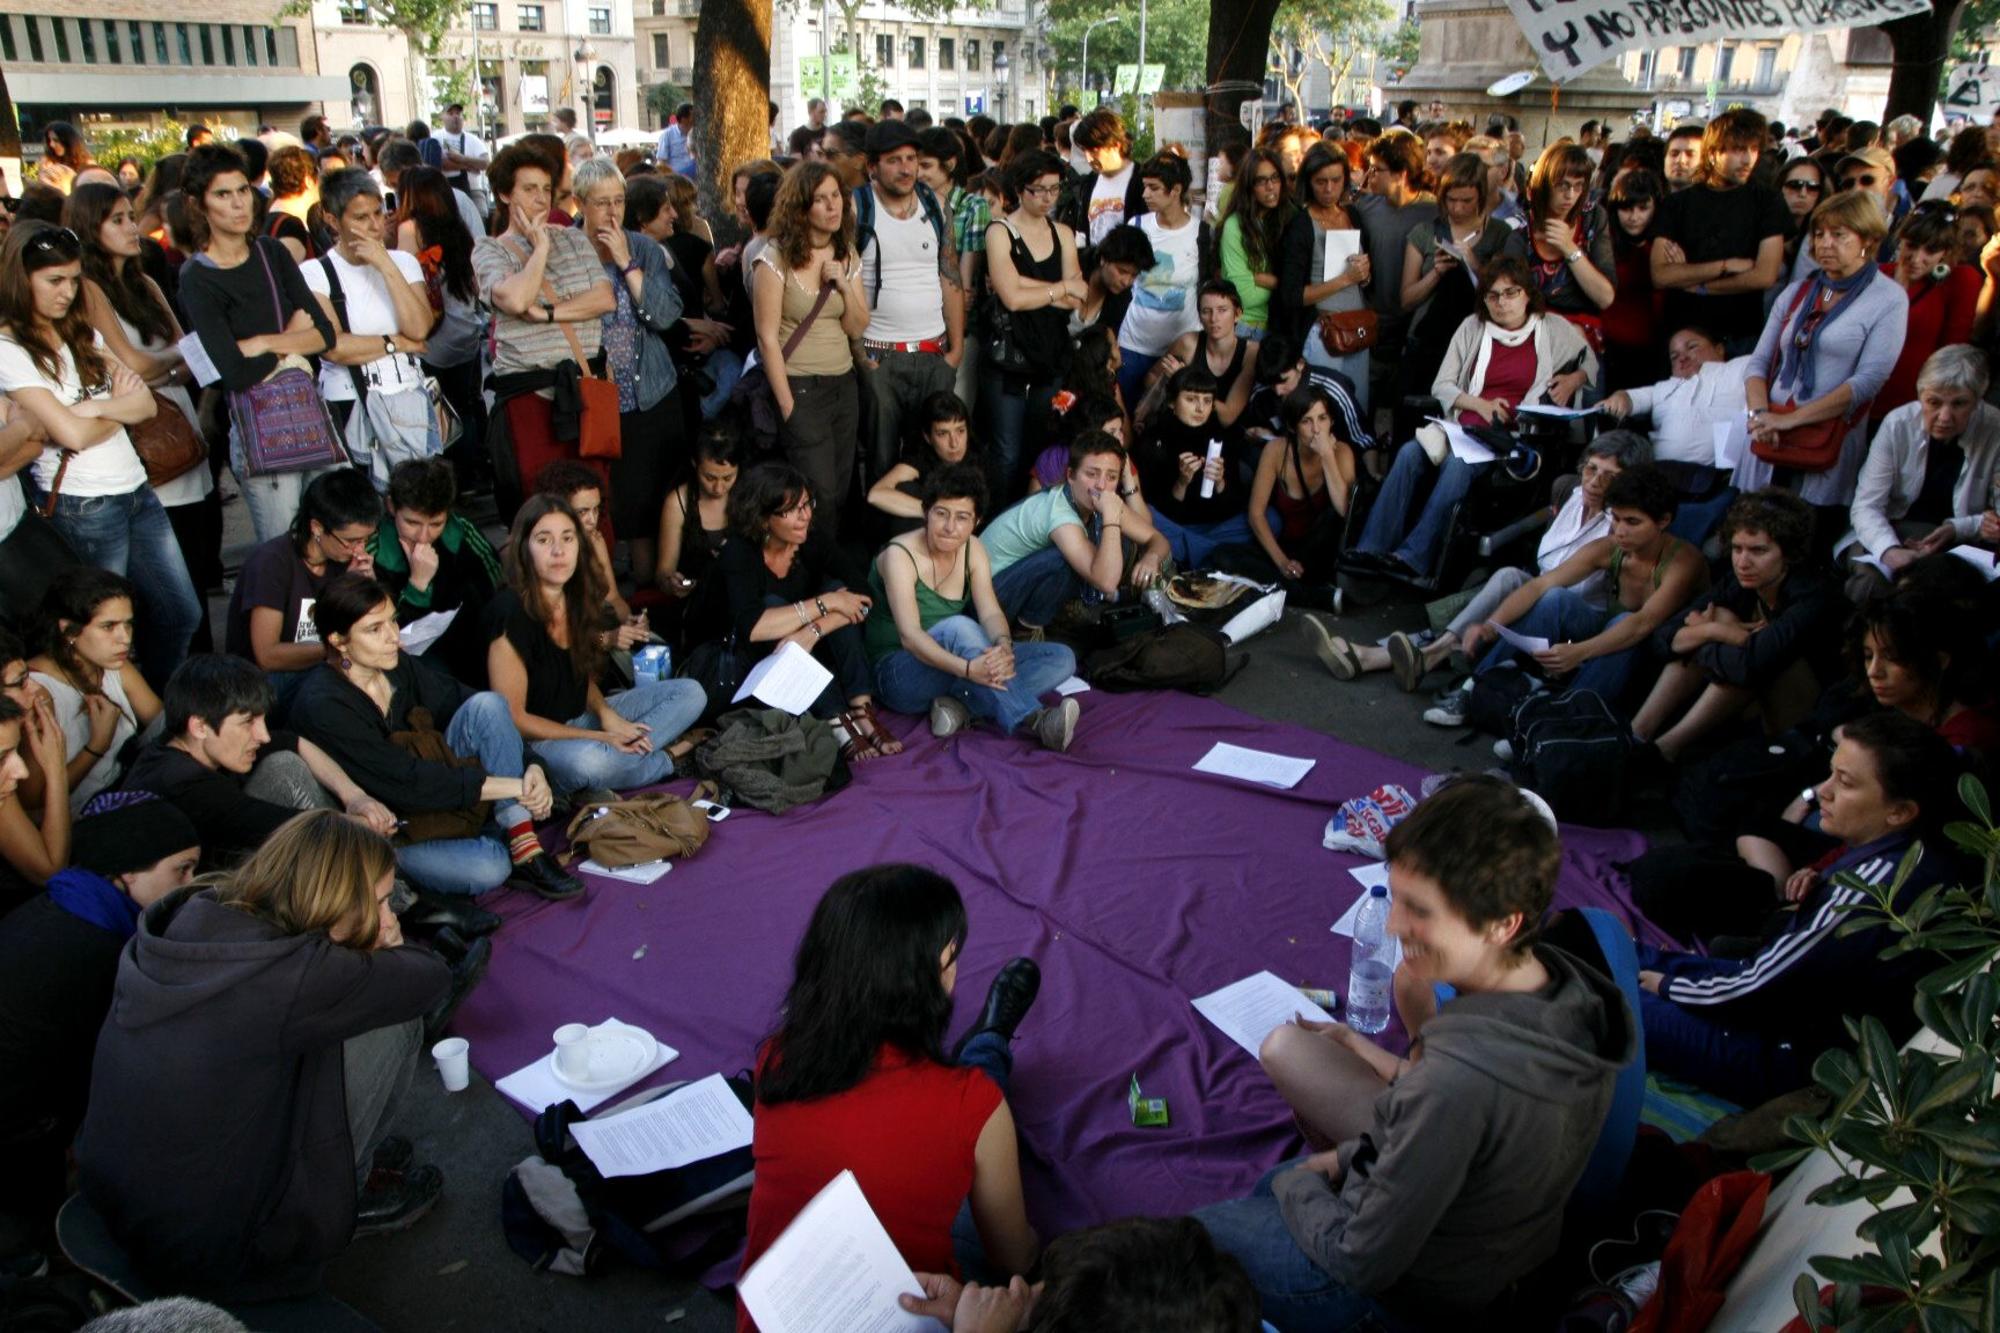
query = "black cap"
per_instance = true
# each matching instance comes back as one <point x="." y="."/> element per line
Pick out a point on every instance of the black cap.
<point x="886" y="136"/>
<point x="129" y="830"/>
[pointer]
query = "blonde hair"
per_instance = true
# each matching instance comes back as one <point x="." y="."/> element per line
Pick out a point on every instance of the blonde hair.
<point x="1859" y="211"/>
<point x="318" y="872"/>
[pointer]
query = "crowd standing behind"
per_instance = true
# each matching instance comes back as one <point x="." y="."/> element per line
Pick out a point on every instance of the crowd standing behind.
<point x="930" y="398"/>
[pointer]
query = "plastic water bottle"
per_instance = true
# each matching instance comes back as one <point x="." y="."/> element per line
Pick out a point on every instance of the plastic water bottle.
<point x="1369" y="979"/>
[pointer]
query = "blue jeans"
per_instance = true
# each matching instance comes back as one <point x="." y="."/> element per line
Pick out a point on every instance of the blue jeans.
<point x="725" y="368"/>
<point x="1296" y="1293"/>
<point x="1033" y="590"/>
<point x="669" y="707"/>
<point x="1746" y="1066"/>
<point x="1695" y="519"/>
<point x="1560" y="615"/>
<point x="908" y="685"/>
<point x="988" y="1051"/>
<point x="483" y="727"/>
<point x="1194" y="543"/>
<point x="1387" y="531"/>
<point x="1133" y="368"/>
<point x="1008" y="402"/>
<point x="130" y="535"/>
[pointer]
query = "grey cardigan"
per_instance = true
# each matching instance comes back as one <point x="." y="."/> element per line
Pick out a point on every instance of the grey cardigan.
<point x="659" y="308"/>
<point x="1894" y="473"/>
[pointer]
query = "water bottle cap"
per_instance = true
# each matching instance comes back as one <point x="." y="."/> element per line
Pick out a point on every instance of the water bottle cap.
<point x="1379" y="891"/>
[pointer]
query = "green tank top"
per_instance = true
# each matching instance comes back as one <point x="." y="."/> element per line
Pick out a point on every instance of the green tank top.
<point x="1618" y="565"/>
<point x="882" y="637"/>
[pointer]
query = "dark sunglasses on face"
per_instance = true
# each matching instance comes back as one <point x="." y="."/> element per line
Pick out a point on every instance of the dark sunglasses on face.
<point x="1858" y="182"/>
<point x="1803" y="184"/>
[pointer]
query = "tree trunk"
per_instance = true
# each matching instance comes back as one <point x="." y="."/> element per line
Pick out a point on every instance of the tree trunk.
<point x="1239" y="45"/>
<point x="1921" y="42"/>
<point x="732" y="91"/>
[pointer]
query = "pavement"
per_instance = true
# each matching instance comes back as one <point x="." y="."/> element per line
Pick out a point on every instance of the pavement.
<point x="453" y="1269"/>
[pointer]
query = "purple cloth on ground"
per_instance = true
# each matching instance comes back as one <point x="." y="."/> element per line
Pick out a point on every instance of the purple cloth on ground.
<point x="1136" y="883"/>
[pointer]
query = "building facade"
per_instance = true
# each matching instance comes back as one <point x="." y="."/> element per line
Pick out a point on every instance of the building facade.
<point x="1791" y="79"/>
<point x="525" y="59"/>
<point x="233" y="66"/>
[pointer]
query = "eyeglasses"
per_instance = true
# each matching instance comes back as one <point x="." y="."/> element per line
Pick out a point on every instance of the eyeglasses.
<point x="1858" y="182"/>
<point x="341" y="543"/>
<point x="1506" y="293"/>
<point x="1804" y="184"/>
<point x="18" y="683"/>
<point x="1266" y="178"/>
<point x="1049" y="191"/>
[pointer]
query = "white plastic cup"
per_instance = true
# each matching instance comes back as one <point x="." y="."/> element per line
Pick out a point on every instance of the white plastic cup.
<point x="453" y="1062"/>
<point x="573" y="1051"/>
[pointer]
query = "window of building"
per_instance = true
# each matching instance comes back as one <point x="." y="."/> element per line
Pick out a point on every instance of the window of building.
<point x="1725" y="63"/>
<point x="531" y="18"/>
<point x="662" y="51"/>
<point x="916" y="53"/>
<point x="184" y="42"/>
<point x="207" y="44"/>
<point x="111" y="49"/>
<point x="600" y="21"/>
<point x="291" y="48"/>
<point x="34" y="37"/>
<point x="228" y="45"/>
<point x="160" y="45"/>
<point x="7" y="38"/>
<point x="89" y="41"/>
<point x="918" y="104"/>
<point x="999" y="50"/>
<point x="972" y="53"/>
<point x="885" y="51"/>
<point x="535" y="93"/>
<point x="659" y="8"/>
<point x="62" y="39"/>
<point x="1687" y="62"/>
<point x="250" y="41"/>
<point x="1767" y="66"/>
<point x="486" y="16"/>
<point x="947" y="53"/>
<point x="354" y="11"/>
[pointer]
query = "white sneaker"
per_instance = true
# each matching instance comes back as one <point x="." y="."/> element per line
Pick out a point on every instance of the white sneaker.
<point x="1055" y="727"/>
<point x="1448" y="711"/>
<point x="1503" y="750"/>
<point x="949" y="716"/>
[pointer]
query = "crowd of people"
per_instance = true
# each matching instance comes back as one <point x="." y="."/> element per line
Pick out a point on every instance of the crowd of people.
<point x="948" y="393"/>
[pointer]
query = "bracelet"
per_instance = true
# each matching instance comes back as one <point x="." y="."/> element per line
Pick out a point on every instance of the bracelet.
<point x="98" y="753"/>
<point x="1109" y="526"/>
<point x="817" y="634"/>
<point x="634" y="267"/>
<point x="799" y="610"/>
<point x="968" y="668"/>
<point x="820" y="602"/>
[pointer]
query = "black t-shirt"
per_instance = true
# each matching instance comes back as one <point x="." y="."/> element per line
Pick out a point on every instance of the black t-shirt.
<point x="556" y="691"/>
<point x="1708" y="225"/>
<point x="1158" y="458"/>
<point x="231" y="824"/>
<point x="751" y="588"/>
<point x="275" y="576"/>
<point x="1943" y="461"/>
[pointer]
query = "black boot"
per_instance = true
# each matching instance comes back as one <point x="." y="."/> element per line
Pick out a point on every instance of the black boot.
<point x="432" y="911"/>
<point x="541" y="875"/>
<point x="1007" y="1001"/>
<point x="466" y="971"/>
<point x="394" y="1202"/>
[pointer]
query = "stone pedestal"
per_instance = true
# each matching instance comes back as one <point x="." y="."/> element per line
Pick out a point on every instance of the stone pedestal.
<point x="1467" y="45"/>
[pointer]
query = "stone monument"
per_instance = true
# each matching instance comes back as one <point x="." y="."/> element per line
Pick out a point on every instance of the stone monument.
<point x="1465" y="46"/>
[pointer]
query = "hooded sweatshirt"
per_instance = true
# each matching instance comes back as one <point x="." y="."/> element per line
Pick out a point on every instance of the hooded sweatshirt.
<point x="1458" y="1187"/>
<point x="216" y="1143"/>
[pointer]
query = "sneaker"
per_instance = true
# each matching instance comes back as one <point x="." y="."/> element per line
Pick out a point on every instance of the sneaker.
<point x="1448" y="711"/>
<point x="1503" y="750"/>
<point x="397" y="1203"/>
<point x="541" y="876"/>
<point x="949" y="716"/>
<point x="1055" y="727"/>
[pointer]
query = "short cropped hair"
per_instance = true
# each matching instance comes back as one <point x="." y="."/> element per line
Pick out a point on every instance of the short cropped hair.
<point x="338" y="189"/>
<point x="215" y="687"/>
<point x="565" y="477"/>
<point x="423" y="486"/>
<point x="1090" y="443"/>
<point x="1779" y="515"/>
<point x="942" y="407"/>
<point x="1161" y="1274"/>
<point x="954" y="481"/>
<point x="1644" y="488"/>
<point x="1626" y="448"/>
<point x="1489" y="850"/>
<point x="1959" y="366"/>
<point x="1101" y="128"/>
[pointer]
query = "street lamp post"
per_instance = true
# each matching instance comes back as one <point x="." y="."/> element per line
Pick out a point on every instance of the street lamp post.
<point x="1140" y="86"/>
<point x="1115" y="18"/>
<point x="1001" y="65"/>
<point x="586" y="57"/>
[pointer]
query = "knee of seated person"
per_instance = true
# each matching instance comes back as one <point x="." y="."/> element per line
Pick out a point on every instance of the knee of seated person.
<point x="487" y="704"/>
<point x="959" y="632"/>
<point x="1284" y="1044"/>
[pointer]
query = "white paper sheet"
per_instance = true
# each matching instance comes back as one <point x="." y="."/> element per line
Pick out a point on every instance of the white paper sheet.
<point x="1463" y="447"/>
<point x="1074" y="685"/>
<point x="1980" y="559"/>
<point x="1272" y="770"/>
<point x="1249" y="1009"/>
<point x="645" y="873"/>
<point x="1375" y="872"/>
<point x="1732" y="437"/>
<point x="690" y="1124"/>
<point x="417" y="636"/>
<point x="833" y="1270"/>
<point x="1340" y="247"/>
<point x="1255" y="618"/>
<point x="199" y="363"/>
<point x="1551" y="410"/>
<point x="788" y="680"/>
<point x="1527" y="643"/>
<point x="536" y="1086"/>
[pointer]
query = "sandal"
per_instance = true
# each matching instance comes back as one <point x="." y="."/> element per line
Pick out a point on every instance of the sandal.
<point x="867" y="738"/>
<point x="1336" y="653"/>
<point x="690" y="738"/>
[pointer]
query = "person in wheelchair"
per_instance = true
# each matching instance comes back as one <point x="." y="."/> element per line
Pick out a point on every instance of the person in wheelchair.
<point x="1649" y="574"/>
<point x="1508" y="354"/>
<point x="1705" y="388"/>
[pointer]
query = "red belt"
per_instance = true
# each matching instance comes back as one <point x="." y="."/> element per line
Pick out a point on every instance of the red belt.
<point x="927" y="345"/>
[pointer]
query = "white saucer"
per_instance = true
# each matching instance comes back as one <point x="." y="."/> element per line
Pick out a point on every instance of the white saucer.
<point x="619" y="1053"/>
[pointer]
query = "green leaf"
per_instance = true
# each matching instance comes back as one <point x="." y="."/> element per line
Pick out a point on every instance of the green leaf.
<point x="1774" y="1163"/>
<point x="1878" y="1057"/>
<point x="1968" y="1145"/>
<point x="1940" y="1017"/>
<point x="1869" y="1270"/>
<point x="1962" y="1079"/>
<point x="1956" y="973"/>
<point x="1973" y="792"/>
<point x="1899" y="1221"/>
<point x="1978" y="1212"/>
<point x="1805" y="1295"/>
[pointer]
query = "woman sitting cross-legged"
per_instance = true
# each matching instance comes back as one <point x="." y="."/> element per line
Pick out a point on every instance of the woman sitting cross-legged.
<point x="945" y="644"/>
<point x="1748" y="1019"/>
<point x="1454" y="1165"/>
<point x="857" y="1078"/>
<point x="263" y="1028"/>
<point x="1508" y="354"/>
<point x="786" y="582"/>
<point x="1578" y="518"/>
<point x="1755" y="638"/>
<point x="543" y="658"/>
<point x="1648" y="575"/>
<point x="362" y="700"/>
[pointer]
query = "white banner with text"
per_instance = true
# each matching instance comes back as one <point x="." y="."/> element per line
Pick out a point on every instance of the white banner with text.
<point x="1572" y="36"/>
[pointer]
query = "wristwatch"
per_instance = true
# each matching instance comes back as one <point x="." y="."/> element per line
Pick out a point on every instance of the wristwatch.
<point x="548" y="312"/>
<point x="388" y="345"/>
<point x="1572" y="256"/>
<point x="632" y="267"/>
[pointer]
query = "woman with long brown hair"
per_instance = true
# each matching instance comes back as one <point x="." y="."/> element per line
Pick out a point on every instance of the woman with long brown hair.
<point x="1306" y="290"/>
<point x="136" y="321"/>
<point x="1567" y="241"/>
<point x="281" y="1000"/>
<point x="543" y="658"/>
<point x="810" y="274"/>
<point x="1253" y="225"/>
<point x="93" y="486"/>
<point x="427" y="224"/>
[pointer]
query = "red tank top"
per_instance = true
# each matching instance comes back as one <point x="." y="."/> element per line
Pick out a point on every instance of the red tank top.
<point x="1510" y="376"/>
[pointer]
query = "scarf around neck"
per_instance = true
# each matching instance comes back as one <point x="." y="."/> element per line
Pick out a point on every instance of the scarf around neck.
<point x="1491" y="333"/>
<point x="1811" y="323"/>
<point x="88" y="896"/>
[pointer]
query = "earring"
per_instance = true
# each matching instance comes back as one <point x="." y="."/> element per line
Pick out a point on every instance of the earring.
<point x="1940" y="273"/>
<point x="345" y="662"/>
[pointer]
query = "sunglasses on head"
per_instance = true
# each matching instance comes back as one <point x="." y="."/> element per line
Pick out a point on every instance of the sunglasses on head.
<point x="1937" y="208"/>
<point x="55" y="237"/>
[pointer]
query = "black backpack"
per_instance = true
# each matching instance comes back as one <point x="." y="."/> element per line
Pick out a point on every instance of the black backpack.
<point x="1173" y="657"/>
<point x="1495" y="695"/>
<point x="1573" y="751"/>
